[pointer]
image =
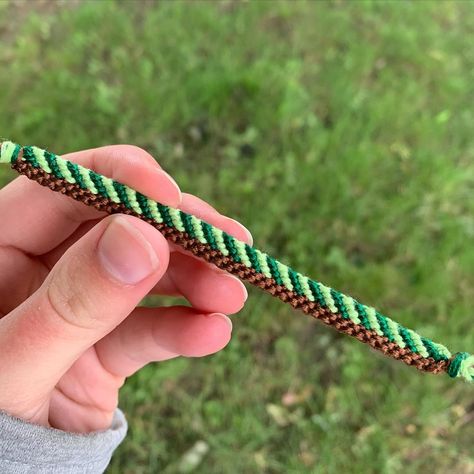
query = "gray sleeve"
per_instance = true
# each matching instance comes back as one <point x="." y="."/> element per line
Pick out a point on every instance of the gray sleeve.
<point x="28" y="448"/>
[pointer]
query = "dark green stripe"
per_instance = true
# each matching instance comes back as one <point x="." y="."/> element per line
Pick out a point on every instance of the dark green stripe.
<point x="274" y="270"/>
<point x="295" y="280"/>
<point x="455" y="364"/>
<point x="362" y="315"/>
<point x="384" y="327"/>
<point x="53" y="164"/>
<point x="165" y="214"/>
<point x="230" y="245"/>
<point x="432" y="351"/>
<point x="207" y="230"/>
<point x="76" y="174"/>
<point x="318" y="296"/>
<point x="407" y="338"/>
<point x="188" y="224"/>
<point x="337" y="297"/>
<point x="29" y="156"/>
<point x="143" y="203"/>
<point x="99" y="184"/>
<point x="122" y="194"/>
<point x="15" y="153"/>
<point x="252" y="255"/>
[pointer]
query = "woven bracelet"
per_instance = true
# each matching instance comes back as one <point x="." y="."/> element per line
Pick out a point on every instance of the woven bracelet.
<point x="213" y="245"/>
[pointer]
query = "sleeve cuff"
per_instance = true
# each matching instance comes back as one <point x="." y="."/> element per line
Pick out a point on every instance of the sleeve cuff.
<point x="29" y="448"/>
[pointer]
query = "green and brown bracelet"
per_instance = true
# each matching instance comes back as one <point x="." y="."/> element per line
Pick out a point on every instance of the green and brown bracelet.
<point x="205" y="241"/>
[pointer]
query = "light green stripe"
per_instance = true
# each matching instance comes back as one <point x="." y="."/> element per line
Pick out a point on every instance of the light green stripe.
<point x="262" y="260"/>
<point x="132" y="199"/>
<point x="176" y="218"/>
<point x="39" y="155"/>
<point x="198" y="229"/>
<point x="393" y="326"/>
<point x="62" y="165"/>
<point x="219" y="238"/>
<point x="244" y="258"/>
<point x="374" y="324"/>
<point x="418" y="343"/>
<point x="328" y="298"/>
<point x="6" y="152"/>
<point x="283" y="270"/>
<point x="87" y="179"/>
<point x="351" y="310"/>
<point x="443" y="350"/>
<point x="305" y="286"/>
<point x="109" y="187"/>
<point x="155" y="212"/>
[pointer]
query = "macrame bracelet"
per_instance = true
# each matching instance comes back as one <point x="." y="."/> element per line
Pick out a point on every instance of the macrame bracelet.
<point x="204" y="240"/>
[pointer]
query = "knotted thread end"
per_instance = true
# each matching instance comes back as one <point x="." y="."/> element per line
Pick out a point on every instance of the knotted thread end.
<point x="9" y="152"/>
<point x="462" y="365"/>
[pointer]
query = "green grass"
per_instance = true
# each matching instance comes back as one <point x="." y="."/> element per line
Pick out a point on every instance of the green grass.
<point x="340" y="133"/>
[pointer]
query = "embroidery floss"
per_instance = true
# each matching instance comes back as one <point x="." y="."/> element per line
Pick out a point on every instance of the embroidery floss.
<point x="202" y="239"/>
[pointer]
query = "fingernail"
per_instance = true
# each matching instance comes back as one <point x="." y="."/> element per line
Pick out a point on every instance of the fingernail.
<point x="168" y="188"/>
<point x="223" y="317"/>
<point x="125" y="253"/>
<point x="239" y="283"/>
<point x="249" y="239"/>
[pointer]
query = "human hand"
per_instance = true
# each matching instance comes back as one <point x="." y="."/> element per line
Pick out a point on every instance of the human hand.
<point x="70" y="282"/>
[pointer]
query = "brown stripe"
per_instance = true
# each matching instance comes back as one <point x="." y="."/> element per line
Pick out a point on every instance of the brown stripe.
<point x="335" y="320"/>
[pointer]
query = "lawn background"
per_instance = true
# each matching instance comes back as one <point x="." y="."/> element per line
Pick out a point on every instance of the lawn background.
<point x="341" y="134"/>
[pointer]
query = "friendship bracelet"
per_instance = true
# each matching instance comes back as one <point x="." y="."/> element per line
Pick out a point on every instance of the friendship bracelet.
<point x="213" y="245"/>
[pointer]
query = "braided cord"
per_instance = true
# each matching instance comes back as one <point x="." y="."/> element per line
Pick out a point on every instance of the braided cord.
<point x="204" y="240"/>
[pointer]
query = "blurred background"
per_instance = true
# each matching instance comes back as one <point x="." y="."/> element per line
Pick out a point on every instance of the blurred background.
<point x="340" y="133"/>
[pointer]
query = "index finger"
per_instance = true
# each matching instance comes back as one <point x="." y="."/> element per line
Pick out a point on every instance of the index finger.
<point x="35" y="220"/>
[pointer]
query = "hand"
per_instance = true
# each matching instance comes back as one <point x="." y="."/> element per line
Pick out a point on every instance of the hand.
<point x="70" y="282"/>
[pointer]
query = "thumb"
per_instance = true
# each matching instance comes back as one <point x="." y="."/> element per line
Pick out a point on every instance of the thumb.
<point x="93" y="287"/>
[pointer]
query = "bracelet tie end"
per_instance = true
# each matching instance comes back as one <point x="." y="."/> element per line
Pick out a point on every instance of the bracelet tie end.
<point x="9" y="152"/>
<point x="462" y="365"/>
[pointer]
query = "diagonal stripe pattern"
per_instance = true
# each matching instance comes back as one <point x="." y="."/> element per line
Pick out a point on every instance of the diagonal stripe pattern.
<point x="206" y="241"/>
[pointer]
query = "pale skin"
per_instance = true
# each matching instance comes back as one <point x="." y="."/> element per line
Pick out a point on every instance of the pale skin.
<point x="70" y="282"/>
